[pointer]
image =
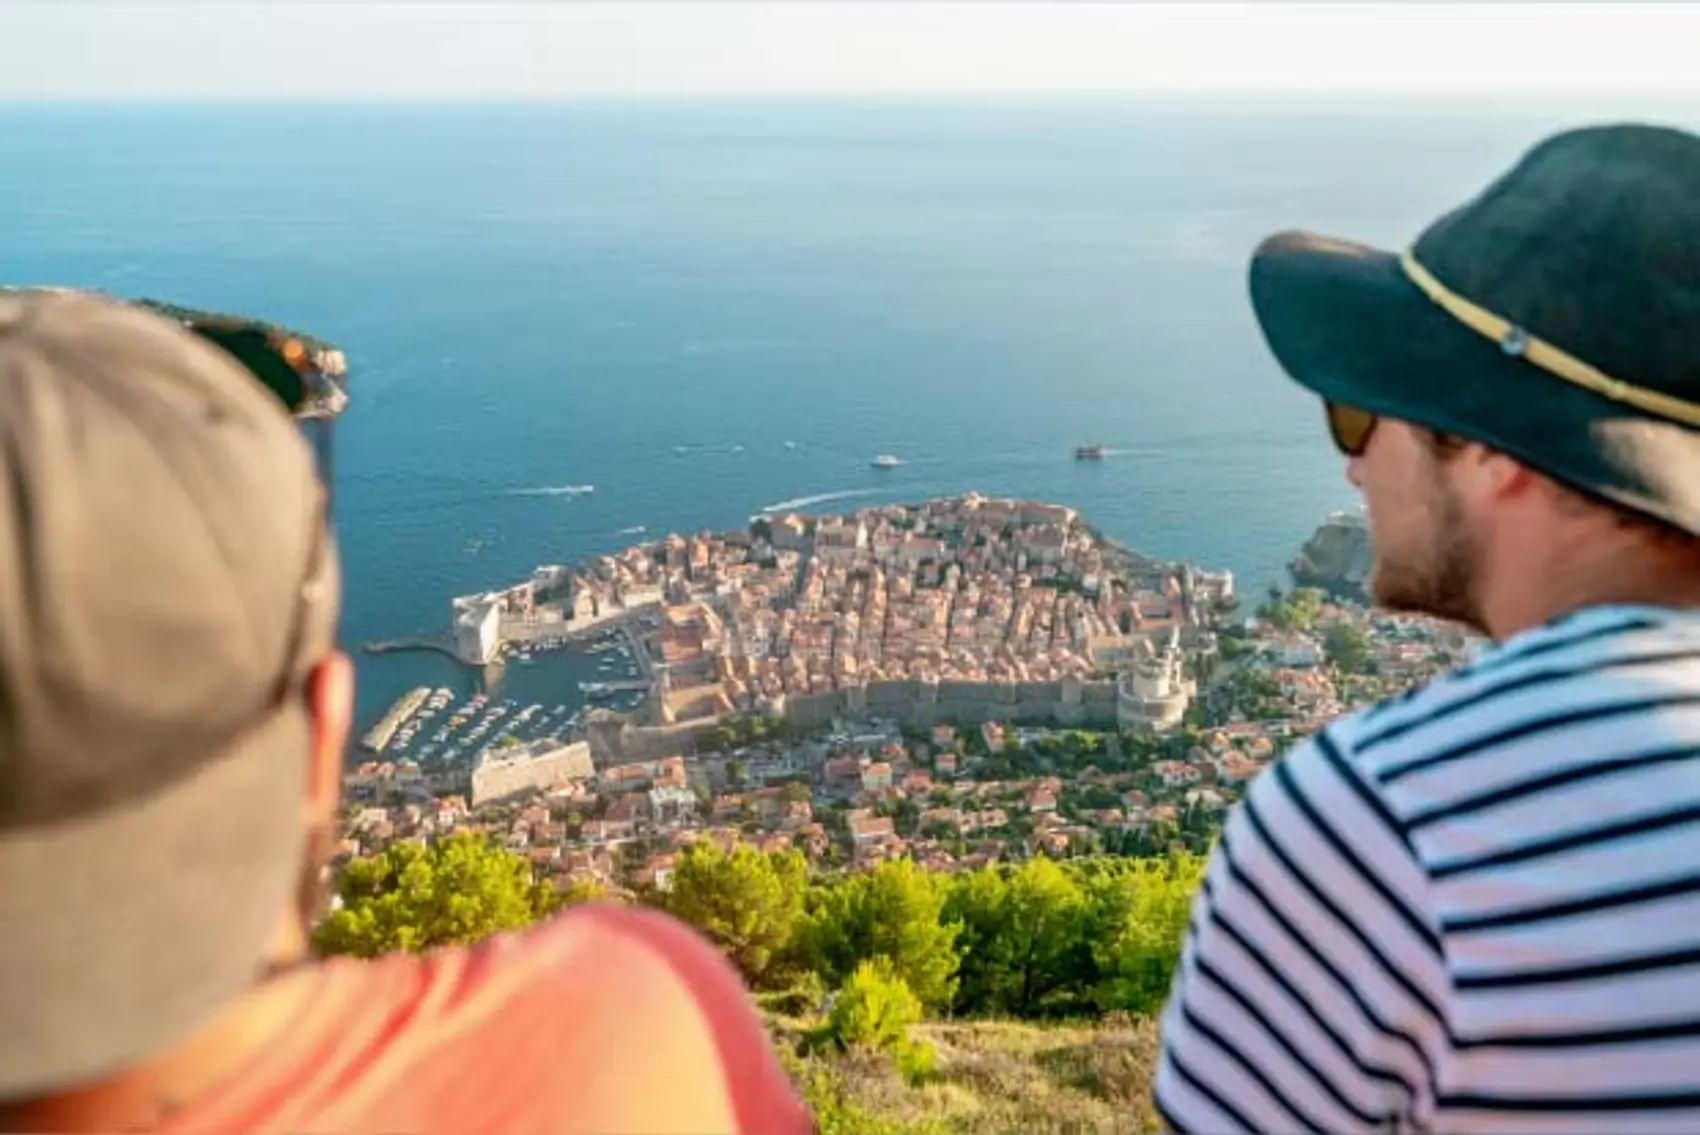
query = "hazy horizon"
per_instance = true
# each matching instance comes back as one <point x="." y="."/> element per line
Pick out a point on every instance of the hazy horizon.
<point x="288" y="51"/>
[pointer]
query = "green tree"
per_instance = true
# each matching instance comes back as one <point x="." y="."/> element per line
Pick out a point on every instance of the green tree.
<point x="895" y="912"/>
<point x="1305" y="604"/>
<point x="1297" y="611"/>
<point x="454" y="891"/>
<point x="1140" y="914"/>
<point x="1024" y="939"/>
<point x="1348" y="647"/>
<point x="745" y="901"/>
<point x="874" y="1010"/>
<point x="581" y="891"/>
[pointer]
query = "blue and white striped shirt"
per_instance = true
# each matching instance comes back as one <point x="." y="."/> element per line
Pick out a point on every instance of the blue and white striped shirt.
<point x="1474" y="907"/>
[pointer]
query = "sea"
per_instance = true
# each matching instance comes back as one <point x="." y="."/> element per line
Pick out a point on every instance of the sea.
<point x="577" y="326"/>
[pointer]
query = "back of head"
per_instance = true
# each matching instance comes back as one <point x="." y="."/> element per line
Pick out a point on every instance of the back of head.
<point x="166" y="584"/>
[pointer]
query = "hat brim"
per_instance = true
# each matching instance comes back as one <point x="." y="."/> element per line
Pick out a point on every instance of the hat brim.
<point x="128" y="929"/>
<point x="1345" y="322"/>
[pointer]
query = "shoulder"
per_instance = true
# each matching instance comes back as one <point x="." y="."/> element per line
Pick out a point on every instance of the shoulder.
<point x="1413" y="748"/>
<point x="1319" y="819"/>
<point x="654" y="993"/>
<point x="1367" y="779"/>
<point x="605" y="1018"/>
<point x="631" y="940"/>
<point x="1311" y="978"/>
<point x="658" y="964"/>
<point x="618" y="945"/>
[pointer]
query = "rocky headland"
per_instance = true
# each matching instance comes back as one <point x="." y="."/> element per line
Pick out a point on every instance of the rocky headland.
<point x="1336" y="559"/>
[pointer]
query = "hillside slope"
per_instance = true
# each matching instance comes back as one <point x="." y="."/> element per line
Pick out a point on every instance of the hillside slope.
<point x="996" y="1078"/>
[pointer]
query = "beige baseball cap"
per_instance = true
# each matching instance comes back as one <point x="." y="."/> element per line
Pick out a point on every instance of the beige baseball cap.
<point x="167" y="582"/>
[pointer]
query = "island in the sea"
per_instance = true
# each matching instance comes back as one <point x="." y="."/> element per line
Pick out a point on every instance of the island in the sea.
<point x="963" y="609"/>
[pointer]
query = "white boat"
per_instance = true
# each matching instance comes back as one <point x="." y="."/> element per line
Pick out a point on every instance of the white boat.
<point x="886" y="461"/>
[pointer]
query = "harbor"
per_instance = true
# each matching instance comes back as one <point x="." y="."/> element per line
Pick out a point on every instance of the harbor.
<point x="544" y="692"/>
<point x="441" y="730"/>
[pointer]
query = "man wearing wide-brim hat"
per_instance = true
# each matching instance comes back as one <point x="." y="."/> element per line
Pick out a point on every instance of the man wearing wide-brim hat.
<point x="1476" y="906"/>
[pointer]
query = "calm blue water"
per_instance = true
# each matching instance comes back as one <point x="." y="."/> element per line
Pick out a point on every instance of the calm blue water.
<point x="540" y="297"/>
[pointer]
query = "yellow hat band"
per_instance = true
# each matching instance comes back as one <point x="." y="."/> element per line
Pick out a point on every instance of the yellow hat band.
<point x="1513" y="340"/>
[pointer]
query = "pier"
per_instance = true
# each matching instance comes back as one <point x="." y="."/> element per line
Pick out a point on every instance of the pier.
<point x="633" y="686"/>
<point x="439" y="643"/>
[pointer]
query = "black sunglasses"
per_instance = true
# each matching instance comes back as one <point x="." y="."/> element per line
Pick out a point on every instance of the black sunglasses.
<point x="305" y="375"/>
<point x="1350" y="428"/>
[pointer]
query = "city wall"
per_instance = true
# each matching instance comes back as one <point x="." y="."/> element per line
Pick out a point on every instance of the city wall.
<point x="924" y="704"/>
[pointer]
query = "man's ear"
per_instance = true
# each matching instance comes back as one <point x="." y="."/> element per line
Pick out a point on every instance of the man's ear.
<point x="1489" y="475"/>
<point x="330" y="704"/>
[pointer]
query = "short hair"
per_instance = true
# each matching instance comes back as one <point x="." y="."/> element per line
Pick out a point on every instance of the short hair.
<point x="1573" y="501"/>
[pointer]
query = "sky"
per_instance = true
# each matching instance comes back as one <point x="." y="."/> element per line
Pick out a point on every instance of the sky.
<point x="488" y="49"/>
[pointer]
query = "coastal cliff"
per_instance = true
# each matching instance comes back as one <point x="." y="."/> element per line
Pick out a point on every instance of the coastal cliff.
<point x="1336" y="558"/>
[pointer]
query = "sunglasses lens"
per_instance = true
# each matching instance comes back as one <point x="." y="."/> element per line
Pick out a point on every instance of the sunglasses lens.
<point x="1350" y="428"/>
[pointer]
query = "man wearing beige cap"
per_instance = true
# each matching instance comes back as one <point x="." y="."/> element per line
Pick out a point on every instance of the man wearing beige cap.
<point x="173" y="713"/>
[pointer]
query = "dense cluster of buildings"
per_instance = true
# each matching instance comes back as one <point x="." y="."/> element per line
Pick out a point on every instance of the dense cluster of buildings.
<point x="965" y="589"/>
<point x="968" y="607"/>
<point x="950" y="795"/>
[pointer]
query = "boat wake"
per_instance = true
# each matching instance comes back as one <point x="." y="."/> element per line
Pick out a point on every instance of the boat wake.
<point x="690" y="450"/>
<point x="556" y="491"/>
<point x="636" y="530"/>
<point x="820" y="498"/>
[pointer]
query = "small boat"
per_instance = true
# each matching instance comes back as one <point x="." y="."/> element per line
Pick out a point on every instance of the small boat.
<point x="886" y="461"/>
<point x="1089" y="453"/>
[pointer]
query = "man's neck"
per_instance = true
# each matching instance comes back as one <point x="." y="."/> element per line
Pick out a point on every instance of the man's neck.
<point x="1534" y="590"/>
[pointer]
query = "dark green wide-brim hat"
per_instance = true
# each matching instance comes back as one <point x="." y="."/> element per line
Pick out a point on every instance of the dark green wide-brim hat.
<point x="1555" y="317"/>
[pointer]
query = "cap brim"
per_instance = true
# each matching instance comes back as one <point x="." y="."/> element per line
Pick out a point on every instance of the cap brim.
<point x="126" y="930"/>
<point x="1345" y="322"/>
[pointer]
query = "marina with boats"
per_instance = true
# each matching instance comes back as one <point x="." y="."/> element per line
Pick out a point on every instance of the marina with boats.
<point x="436" y="726"/>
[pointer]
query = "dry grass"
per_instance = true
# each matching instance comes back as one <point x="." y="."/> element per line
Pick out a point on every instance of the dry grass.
<point x="997" y="1077"/>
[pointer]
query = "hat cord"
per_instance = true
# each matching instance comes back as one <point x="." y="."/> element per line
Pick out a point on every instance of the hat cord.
<point x="1519" y="342"/>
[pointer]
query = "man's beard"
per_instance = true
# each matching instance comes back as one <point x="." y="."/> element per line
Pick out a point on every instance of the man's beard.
<point x="1434" y="573"/>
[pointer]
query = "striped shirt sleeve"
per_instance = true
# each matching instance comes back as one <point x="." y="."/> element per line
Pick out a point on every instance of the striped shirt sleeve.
<point x="1311" y="990"/>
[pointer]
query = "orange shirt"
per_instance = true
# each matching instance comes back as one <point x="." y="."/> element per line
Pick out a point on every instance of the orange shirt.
<point x="606" y="1019"/>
